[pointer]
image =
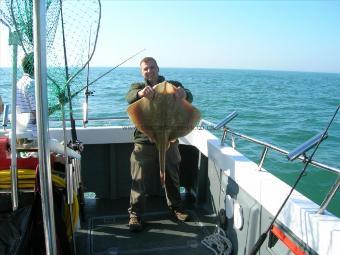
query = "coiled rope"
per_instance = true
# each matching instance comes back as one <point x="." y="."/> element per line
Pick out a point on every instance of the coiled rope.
<point x="218" y="242"/>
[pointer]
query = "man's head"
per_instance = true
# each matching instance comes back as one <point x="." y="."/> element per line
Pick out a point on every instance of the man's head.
<point x="28" y="63"/>
<point x="149" y="70"/>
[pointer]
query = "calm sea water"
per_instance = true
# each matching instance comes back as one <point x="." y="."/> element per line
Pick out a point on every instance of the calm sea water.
<point x="281" y="108"/>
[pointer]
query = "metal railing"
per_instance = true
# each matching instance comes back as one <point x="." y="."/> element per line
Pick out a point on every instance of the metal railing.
<point x="266" y="146"/>
<point x="87" y="122"/>
<point x="97" y="118"/>
<point x="6" y="121"/>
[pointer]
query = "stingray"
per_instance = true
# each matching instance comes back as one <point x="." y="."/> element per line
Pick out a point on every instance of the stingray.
<point x="163" y="119"/>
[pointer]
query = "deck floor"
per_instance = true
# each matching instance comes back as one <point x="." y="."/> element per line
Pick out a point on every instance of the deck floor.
<point x="104" y="229"/>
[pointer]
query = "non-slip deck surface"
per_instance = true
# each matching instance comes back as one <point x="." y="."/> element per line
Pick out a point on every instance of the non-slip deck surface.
<point x="162" y="234"/>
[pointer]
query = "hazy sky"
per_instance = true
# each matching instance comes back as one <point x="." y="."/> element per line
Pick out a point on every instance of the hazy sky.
<point x="272" y="35"/>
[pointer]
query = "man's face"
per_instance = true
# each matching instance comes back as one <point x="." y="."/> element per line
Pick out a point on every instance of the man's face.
<point x="149" y="70"/>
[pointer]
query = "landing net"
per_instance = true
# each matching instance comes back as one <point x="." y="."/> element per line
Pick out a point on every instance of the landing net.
<point x="71" y="35"/>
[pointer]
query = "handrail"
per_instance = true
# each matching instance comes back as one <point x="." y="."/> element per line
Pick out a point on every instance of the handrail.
<point x="97" y="118"/>
<point x="284" y="152"/>
<point x="93" y="119"/>
<point x="332" y="191"/>
<point x="275" y="148"/>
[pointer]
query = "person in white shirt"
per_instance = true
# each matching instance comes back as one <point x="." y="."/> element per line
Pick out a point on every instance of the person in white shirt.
<point x="26" y="111"/>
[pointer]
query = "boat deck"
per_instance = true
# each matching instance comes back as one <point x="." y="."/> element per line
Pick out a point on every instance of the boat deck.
<point x="104" y="229"/>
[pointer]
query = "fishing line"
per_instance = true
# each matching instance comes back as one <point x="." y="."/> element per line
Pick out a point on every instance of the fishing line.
<point x="67" y="75"/>
<point x="101" y="76"/>
<point x="263" y="237"/>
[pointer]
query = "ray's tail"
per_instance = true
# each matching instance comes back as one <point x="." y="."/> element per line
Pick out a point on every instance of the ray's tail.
<point x="162" y="148"/>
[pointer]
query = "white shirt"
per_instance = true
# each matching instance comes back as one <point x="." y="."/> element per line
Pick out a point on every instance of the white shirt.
<point x="26" y="105"/>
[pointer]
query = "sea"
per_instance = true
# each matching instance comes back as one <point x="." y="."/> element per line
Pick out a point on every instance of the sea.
<point x="282" y="108"/>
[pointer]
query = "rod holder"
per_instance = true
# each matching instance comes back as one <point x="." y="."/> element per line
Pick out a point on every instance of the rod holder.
<point x="226" y="120"/>
<point x="223" y="124"/>
<point x="303" y="148"/>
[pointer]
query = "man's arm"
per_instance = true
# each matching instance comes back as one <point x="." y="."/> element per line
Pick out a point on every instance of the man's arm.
<point x="132" y="94"/>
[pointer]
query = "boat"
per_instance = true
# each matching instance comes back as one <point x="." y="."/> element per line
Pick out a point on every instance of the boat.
<point x="236" y="206"/>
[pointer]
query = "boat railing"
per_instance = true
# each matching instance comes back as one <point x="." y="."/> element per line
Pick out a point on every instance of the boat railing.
<point x="267" y="146"/>
<point x="87" y="122"/>
<point x="204" y="124"/>
<point x="55" y="122"/>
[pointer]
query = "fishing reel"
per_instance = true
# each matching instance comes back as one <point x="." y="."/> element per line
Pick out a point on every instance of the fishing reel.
<point x="76" y="145"/>
<point x="89" y="93"/>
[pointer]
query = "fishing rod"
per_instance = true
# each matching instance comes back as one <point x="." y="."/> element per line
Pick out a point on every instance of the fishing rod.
<point x="54" y="108"/>
<point x="263" y="237"/>
<point x="87" y="92"/>
<point x="73" y="124"/>
<point x="101" y="76"/>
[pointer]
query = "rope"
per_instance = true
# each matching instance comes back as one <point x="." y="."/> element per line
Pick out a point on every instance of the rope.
<point x="218" y="242"/>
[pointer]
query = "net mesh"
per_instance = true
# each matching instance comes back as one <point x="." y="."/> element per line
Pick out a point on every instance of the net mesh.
<point x="71" y="35"/>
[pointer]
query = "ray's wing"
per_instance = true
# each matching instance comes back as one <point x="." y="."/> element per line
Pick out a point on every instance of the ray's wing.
<point x="140" y="114"/>
<point x="187" y="117"/>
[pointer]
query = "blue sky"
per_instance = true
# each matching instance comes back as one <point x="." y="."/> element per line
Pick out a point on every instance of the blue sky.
<point x="266" y="35"/>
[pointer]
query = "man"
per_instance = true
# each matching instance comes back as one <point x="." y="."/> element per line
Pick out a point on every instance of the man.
<point x="26" y="99"/>
<point x="144" y="158"/>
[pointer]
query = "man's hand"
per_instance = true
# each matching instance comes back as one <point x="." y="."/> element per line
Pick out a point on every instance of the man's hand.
<point x="147" y="92"/>
<point x="180" y="93"/>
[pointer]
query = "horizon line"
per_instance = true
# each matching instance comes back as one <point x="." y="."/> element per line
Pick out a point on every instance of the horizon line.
<point x="216" y="68"/>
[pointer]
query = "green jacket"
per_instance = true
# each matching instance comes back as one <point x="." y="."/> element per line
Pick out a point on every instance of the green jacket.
<point x="132" y="96"/>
